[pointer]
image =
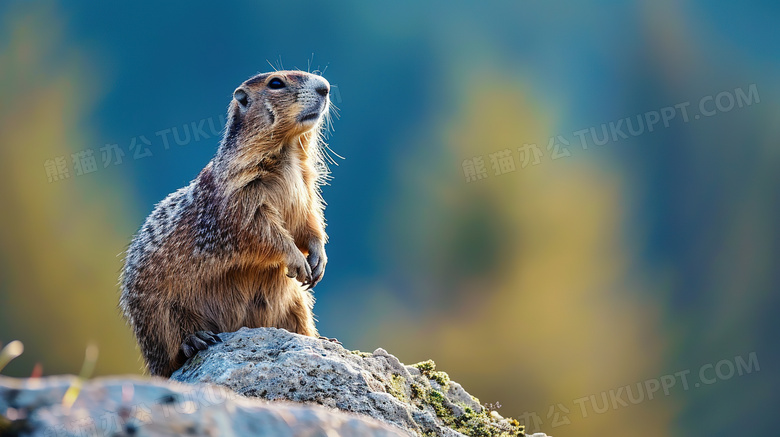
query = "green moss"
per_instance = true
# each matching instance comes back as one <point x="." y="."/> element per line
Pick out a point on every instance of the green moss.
<point x="360" y="353"/>
<point x="441" y="377"/>
<point x="417" y="391"/>
<point x="428" y="369"/>
<point x="481" y="424"/>
<point x="425" y="367"/>
<point x="397" y="388"/>
<point x="471" y="423"/>
<point x="437" y="401"/>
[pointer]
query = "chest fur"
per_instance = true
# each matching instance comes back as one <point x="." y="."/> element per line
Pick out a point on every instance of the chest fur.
<point x="294" y="194"/>
<point x="288" y="192"/>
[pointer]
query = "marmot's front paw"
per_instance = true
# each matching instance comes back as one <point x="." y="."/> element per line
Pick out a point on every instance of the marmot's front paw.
<point x="298" y="268"/>
<point x="198" y="341"/>
<point x="317" y="260"/>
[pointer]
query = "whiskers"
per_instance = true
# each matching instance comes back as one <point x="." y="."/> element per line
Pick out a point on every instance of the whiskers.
<point x="316" y="71"/>
<point x="333" y="111"/>
<point x="303" y="149"/>
<point x="319" y="152"/>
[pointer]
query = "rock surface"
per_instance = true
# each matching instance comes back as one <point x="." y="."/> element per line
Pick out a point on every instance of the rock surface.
<point x="277" y="365"/>
<point x="156" y="407"/>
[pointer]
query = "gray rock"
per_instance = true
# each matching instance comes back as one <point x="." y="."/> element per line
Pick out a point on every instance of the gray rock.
<point x="277" y="365"/>
<point x="156" y="407"/>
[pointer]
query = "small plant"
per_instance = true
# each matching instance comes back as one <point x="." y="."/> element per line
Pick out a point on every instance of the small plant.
<point x="90" y="358"/>
<point x="9" y="352"/>
<point x="428" y="369"/>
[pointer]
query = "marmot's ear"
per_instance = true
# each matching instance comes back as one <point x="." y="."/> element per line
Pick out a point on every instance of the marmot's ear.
<point x="241" y="97"/>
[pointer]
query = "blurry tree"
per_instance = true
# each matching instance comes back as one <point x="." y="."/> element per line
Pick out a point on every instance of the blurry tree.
<point x="516" y="282"/>
<point x="59" y="249"/>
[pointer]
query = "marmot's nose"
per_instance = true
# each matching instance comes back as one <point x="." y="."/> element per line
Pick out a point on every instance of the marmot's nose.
<point x="320" y="85"/>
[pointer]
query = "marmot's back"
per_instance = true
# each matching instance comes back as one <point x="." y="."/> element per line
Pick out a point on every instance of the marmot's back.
<point x="243" y="243"/>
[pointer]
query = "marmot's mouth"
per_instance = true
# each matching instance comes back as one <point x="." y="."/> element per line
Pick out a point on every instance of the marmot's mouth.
<point x="309" y="116"/>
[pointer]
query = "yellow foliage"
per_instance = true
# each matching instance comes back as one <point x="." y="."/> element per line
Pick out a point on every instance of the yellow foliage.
<point x="60" y="240"/>
<point x="553" y="317"/>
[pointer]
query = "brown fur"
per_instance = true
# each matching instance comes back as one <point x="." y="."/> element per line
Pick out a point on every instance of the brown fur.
<point x="215" y="255"/>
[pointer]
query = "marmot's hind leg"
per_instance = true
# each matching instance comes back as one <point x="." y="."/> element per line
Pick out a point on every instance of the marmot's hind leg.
<point x="300" y="318"/>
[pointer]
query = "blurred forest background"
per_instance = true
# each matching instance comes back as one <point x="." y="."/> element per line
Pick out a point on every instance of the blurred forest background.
<point x="565" y="278"/>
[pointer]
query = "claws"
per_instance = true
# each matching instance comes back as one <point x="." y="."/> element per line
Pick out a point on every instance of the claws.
<point x="308" y="270"/>
<point x="187" y="349"/>
<point x="316" y="262"/>
<point x="299" y="269"/>
<point x="209" y="337"/>
<point x="198" y="341"/>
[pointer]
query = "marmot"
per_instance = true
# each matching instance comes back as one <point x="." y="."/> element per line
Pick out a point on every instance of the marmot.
<point x="244" y="242"/>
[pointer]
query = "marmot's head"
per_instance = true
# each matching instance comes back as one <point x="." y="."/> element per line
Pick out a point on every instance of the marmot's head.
<point x="281" y="105"/>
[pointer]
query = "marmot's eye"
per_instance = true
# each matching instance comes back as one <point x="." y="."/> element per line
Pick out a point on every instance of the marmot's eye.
<point x="276" y="83"/>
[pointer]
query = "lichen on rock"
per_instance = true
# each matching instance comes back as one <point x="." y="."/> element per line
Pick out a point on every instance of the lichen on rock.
<point x="275" y="364"/>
